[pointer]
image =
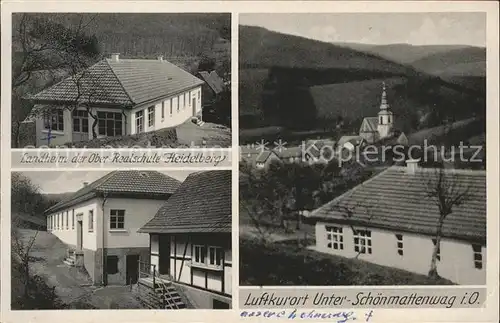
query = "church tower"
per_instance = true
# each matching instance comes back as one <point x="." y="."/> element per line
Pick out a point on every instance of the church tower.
<point x="385" y="117"/>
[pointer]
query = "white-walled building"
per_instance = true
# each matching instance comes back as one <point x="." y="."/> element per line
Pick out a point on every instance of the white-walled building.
<point x="191" y="239"/>
<point x="125" y="96"/>
<point x="100" y="221"/>
<point x="391" y="220"/>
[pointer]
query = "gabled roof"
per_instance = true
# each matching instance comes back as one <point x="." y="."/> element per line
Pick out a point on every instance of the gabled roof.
<point x="123" y="82"/>
<point x="398" y="200"/>
<point x="201" y="204"/>
<point x="369" y="124"/>
<point x="264" y="155"/>
<point x="125" y="183"/>
<point x="213" y="80"/>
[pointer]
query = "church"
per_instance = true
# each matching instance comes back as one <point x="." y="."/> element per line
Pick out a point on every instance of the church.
<point x="375" y="128"/>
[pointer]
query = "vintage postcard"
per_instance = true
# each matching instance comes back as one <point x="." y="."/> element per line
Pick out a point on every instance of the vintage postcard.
<point x="249" y="161"/>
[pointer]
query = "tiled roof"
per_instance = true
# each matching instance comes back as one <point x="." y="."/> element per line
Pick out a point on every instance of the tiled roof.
<point x="130" y="182"/>
<point x="369" y="124"/>
<point x="97" y="84"/>
<point x="147" y="79"/>
<point x="398" y="200"/>
<point x="124" y="82"/>
<point x="201" y="204"/>
<point x="213" y="80"/>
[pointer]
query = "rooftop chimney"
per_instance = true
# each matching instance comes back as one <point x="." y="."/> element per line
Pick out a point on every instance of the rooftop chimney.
<point x="412" y="166"/>
<point x="85" y="184"/>
<point x="115" y="57"/>
<point x="160" y="58"/>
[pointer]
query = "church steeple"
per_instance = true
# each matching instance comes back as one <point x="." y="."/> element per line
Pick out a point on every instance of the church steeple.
<point x="385" y="116"/>
<point x="383" y="101"/>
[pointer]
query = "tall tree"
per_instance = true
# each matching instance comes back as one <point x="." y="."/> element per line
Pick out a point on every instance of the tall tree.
<point x="446" y="191"/>
<point x="44" y="49"/>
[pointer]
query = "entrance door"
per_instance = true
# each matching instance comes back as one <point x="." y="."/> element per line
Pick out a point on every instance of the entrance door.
<point x="132" y="269"/>
<point x="164" y="252"/>
<point x="79" y="235"/>
<point x="194" y="106"/>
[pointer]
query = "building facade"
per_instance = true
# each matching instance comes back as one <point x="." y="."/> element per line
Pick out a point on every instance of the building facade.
<point x="99" y="223"/>
<point x="190" y="239"/>
<point x="393" y="222"/>
<point x="116" y="97"/>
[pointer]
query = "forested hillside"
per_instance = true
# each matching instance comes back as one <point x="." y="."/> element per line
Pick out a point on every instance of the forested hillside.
<point x="304" y="84"/>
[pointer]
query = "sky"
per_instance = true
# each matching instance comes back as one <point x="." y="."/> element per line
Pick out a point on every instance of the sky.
<point x="450" y="28"/>
<point x="71" y="181"/>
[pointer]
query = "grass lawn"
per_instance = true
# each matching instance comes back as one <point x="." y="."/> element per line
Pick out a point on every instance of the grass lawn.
<point x="284" y="263"/>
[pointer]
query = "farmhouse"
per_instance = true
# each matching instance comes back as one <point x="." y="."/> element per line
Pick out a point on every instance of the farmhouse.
<point x="99" y="223"/>
<point x="391" y="220"/>
<point x="374" y="128"/>
<point x="190" y="240"/>
<point x="116" y="97"/>
<point x="213" y="85"/>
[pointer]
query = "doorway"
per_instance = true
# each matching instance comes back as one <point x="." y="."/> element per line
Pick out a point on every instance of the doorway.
<point x="164" y="262"/>
<point x="79" y="235"/>
<point x="194" y="107"/>
<point x="132" y="273"/>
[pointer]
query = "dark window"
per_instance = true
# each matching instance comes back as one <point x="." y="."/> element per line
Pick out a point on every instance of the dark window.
<point x="73" y="220"/>
<point x="112" y="265"/>
<point x="478" y="256"/>
<point x="163" y="110"/>
<point x="139" y="121"/>
<point x="362" y="241"/>
<point x="91" y="220"/>
<point x="335" y="238"/>
<point x="117" y="219"/>
<point x="151" y="116"/>
<point x="438" y="257"/>
<point x="399" y="237"/>
<point x="200" y="253"/>
<point x="109" y="123"/>
<point x="80" y="121"/>
<point x="54" y="120"/>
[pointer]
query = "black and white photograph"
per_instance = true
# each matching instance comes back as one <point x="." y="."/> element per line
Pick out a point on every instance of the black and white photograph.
<point x="362" y="148"/>
<point x="121" y="240"/>
<point x="92" y="80"/>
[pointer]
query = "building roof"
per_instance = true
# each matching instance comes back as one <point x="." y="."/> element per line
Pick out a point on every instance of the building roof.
<point x="122" y="82"/>
<point x="355" y="140"/>
<point x="369" y="124"/>
<point x="214" y="81"/>
<point x="151" y="184"/>
<point x="201" y="204"/>
<point x="398" y="200"/>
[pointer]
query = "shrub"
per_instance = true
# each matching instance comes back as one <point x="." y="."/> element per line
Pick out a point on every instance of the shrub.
<point x="281" y="264"/>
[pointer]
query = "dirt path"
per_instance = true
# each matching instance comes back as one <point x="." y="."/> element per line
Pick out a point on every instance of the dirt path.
<point x="72" y="285"/>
